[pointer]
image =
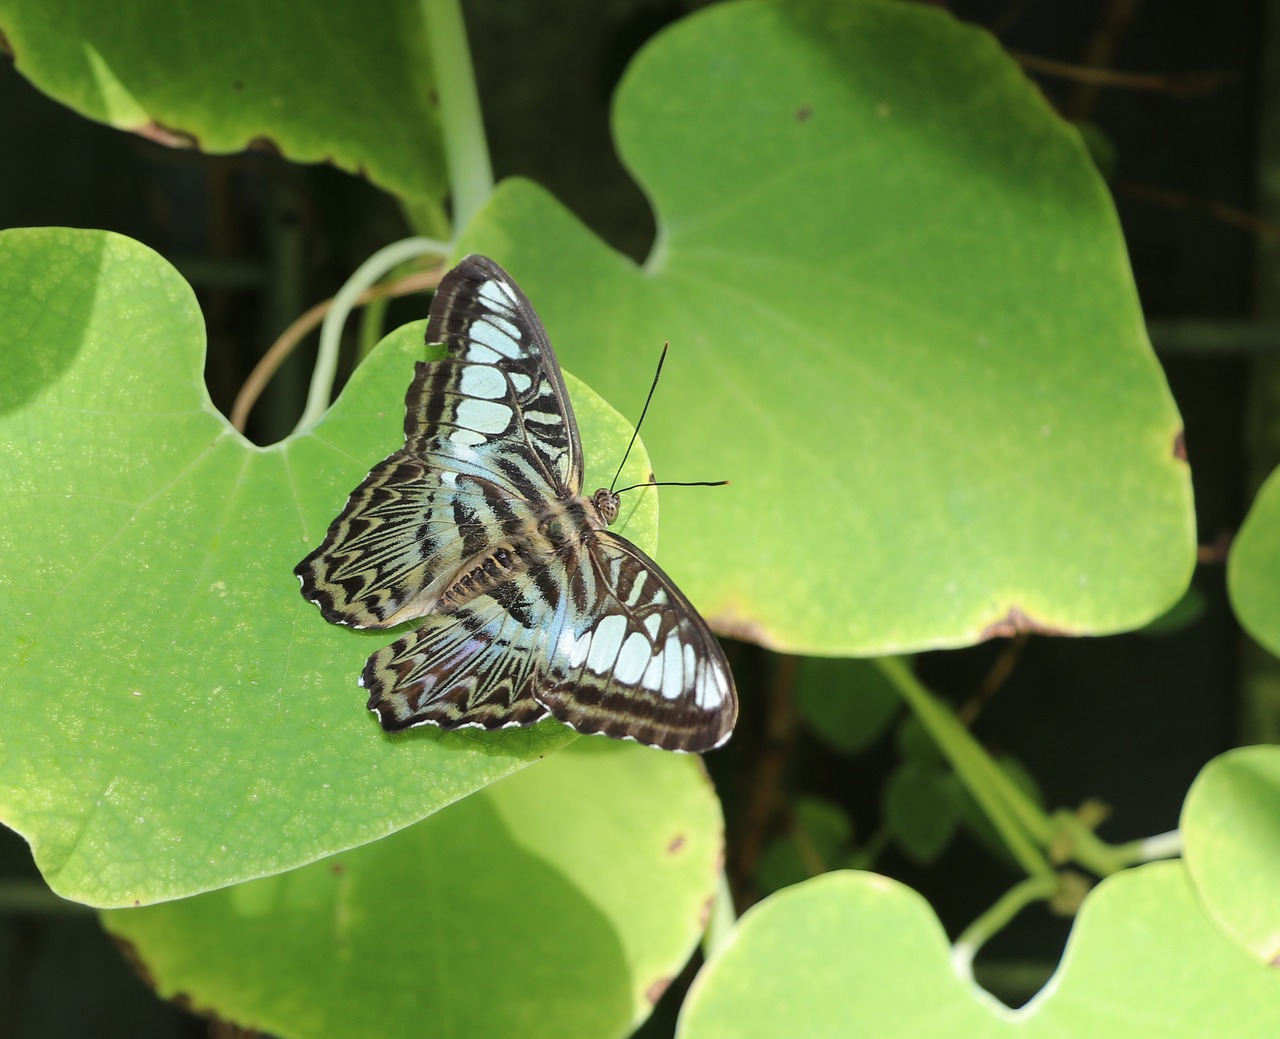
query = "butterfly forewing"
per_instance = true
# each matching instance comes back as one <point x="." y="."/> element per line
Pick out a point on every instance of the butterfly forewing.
<point x="477" y="526"/>
<point x="501" y="387"/>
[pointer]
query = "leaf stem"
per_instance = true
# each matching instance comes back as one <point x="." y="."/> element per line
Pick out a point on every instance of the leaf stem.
<point x="1006" y="907"/>
<point x="1037" y="840"/>
<point x="1019" y="821"/>
<point x="722" y="917"/>
<point x="466" y="152"/>
<point x="321" y="390"/>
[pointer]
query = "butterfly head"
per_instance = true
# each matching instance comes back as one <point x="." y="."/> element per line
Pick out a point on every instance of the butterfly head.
<point x="606" y="503"/>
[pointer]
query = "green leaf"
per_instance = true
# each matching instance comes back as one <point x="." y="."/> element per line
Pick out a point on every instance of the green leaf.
<point x="818" y="835"/>
<point x="847" y="703"/>
<point x="902" y="324"/>
<point x="354" y="86"/>
<point x="855" y="947"/>
<point x="176" y="717"/>
<point x="920" y="808"/>
<point x="1231" y="840"/>
<point x="1253" y="568"/>
<point x="558" y="902"/>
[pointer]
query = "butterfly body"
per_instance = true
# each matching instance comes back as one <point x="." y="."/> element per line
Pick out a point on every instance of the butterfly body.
<point x="529" y="606"/>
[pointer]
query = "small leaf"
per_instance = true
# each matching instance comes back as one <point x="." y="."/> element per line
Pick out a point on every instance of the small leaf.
<point x="847" y="703"/>
<point x="818" y="834"/>
<point x="1231" y="841"/>
<point x="920" y="808"/>
<point x="1253" y="568"/>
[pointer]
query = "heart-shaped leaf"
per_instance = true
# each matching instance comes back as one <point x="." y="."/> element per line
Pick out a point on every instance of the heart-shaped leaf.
<point x="176" y="716"/>
<point x="849" y="948"/>
<point x="558" y="902"/>
<point x="902" y="324"/>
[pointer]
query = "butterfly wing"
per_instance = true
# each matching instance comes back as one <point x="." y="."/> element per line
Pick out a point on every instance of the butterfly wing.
<point x="475" y="667"/>
<point x="489" y="431"/>
<point x="633" y="659"/>
<point x="497" y="405"/>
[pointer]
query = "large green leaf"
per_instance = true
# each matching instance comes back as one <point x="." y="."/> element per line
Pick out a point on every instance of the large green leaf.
<point x="173" y="716"/>
<point x="350" y="83"/>
<point x="1231" y="831"/>
<point x="857" y="953"/>
<point x="902" y="323"/>
<point x="558" y="902"/>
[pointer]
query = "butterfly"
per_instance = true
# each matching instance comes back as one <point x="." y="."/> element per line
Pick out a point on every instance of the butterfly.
<point x="528" y="605"/>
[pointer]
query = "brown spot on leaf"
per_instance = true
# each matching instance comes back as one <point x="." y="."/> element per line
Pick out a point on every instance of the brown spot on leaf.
<point x="704" y="916"/>
<point x="655" y="990"/>
<point x="738" y="626"/>
<point x="131" y="956"/>
<point x="1180" y="445"/>
<point x="265" y="145"/>
<point x="337" y="869"/>
<point x="677" y="842"/>
<point x="1014" y="622"/>
<point x="804" y="113"/>
<point x="167" y="135"/>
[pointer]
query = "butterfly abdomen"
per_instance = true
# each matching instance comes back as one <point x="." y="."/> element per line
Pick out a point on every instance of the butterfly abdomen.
<point x="481" y="575"/>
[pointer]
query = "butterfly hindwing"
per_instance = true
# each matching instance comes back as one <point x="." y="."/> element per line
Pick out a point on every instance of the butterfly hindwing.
<point x="634" y="659"/>
<point x="473" y="668"/>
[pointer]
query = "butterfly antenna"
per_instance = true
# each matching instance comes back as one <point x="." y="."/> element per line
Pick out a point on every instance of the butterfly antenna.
<point x="643" y="411"/>
<point x="673" y="483"/>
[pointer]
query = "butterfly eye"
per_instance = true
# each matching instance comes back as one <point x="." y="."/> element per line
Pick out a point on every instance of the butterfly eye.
<point x="606" y="503"/>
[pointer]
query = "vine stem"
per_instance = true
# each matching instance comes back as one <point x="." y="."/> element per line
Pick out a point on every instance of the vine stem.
<point x="1022" y="826"/>
<point x="344" y="301"/>
<point x="1009" y="905"/>
<point x="465" y="149"/>
<point x="721" y="920"/>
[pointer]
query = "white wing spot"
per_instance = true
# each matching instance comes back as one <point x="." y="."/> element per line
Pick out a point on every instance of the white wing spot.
<point x="633" y="659"/>
<point x="637" y="592"/>
<point x="672" y="672"/>
<point x="484" y="416"/>
<point x="606" y="641"/>
<point x="467" y="438"/>
<point x="484" y="332"/>
<point x="574" y="650"/>
<point x="713" y="692"/>
<point x="497" y="294"/>
<point x="653" y="674"/>
<point x="483" y="380"/>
